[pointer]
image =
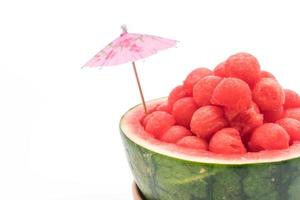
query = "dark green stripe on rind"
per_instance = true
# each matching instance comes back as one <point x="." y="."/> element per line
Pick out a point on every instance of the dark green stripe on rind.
<point x="162" y="177"/>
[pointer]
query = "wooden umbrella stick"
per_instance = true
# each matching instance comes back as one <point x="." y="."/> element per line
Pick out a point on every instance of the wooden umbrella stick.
<point x="140" y="88"/>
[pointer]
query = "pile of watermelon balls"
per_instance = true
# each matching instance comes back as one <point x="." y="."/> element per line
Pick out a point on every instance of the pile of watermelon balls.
<point x="234" y="109"/>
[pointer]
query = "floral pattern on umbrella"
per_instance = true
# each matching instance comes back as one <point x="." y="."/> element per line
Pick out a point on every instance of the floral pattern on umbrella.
<point x="129" y="47"/>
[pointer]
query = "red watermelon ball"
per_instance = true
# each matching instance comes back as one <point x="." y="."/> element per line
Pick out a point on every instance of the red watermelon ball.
<point x="220" y="70"/>
<point x="164" y="107"/>
<point x="193" y="142"/>
<point x="177" y="93"/>
<point x="227" y="141"/>
<point x="233" y="94"/>
<point x="254" y="121"/>
<point x="266" y="74"/>
<point x="274" y="115"/>
<point x="292" y="127"/>
<point x="269" y="136"/>
<point x="159" y="122"/>
<point x="231" y="114"/>
<point x="175" y="133"/>
<point x="247" y="120"/>
<point x="243" y="66"/>
<point x="268" y="94"/>
<point x="203" y="89"/>
<point x="293" y="113"/>
<point x="207" y="120"/>
<point x="146" y="117"/>
<point x="254" y="107"/>
<point x="292" y="99"/>
<point x="193" y="77"/>
<point x="183" y="110"/>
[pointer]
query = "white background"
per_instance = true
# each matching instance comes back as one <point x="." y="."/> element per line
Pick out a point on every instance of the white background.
<point x="59" y="134"/>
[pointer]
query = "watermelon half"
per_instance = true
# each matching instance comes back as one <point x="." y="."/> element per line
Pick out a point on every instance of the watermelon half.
<point x="169" y="172"/>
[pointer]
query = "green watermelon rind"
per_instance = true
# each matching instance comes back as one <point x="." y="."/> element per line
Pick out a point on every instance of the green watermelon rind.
<point x="165" y="177"/>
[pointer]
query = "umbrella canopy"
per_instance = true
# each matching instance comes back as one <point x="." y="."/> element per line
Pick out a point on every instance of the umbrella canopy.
<point x="129" y="47"/>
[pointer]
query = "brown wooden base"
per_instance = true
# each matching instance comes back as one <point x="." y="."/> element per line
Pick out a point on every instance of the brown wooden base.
<point x="136" y="192"/>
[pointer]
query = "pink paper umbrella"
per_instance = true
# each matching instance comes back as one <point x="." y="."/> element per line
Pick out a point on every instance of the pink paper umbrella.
<point x="129" y="47"/>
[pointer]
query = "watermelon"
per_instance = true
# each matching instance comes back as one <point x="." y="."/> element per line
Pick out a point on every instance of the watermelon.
<point x="183" y="110"/>
<point x="203" y="89"/>
<point x="175" y="133"/>
<point x="243" y="66"/>
<point x="193" y="142"/>
<point x="193" y="77"/>
<point x="239" y="98"/>
<point x="168" y="171"/>
<point x="219" y="70"/>
<point x="268" y="94"/>
<point x="207" y="120"/>
<point x="266" y="74"/>
<point x="274" y="115"/>
<point x="176" y="94"/>
<point x="292" y="99"/>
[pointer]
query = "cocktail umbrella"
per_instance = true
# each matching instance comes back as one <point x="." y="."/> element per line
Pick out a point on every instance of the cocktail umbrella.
<point x="130" y="47"/>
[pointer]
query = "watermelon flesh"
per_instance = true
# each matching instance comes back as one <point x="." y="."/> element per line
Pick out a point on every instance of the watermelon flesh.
<point x="227" y="141"/>
<point x="292" y="127"/>
<point x="176" y="94"/>
<point x="193" y="142"/>
<point x="220" y="70"/>
<point x="175" y="133"/>
<point x="132" y="127"/>
<point x="158" y="122"/>
<point x="274" y="115"/>
<point x="268" y="94"/>
<point x="193" y="77"/>
<point x="269" y="136"/>
<point x="239" y="98"/>
<point x="183" y="110"/>
<point x="266" y="74"/>
<point x="245" y="122"/>
<point x="292" y="99"/>
<point x="207" y="120"/>
<point x="203" y="89"/>
<point x="293" y="113"/>
<point x="236" y="94"/>
<point x="243" y="66"/>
